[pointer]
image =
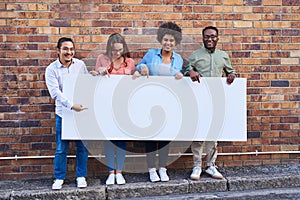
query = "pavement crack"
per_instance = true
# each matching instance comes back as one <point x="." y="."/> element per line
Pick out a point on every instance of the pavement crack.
<point x="227" y="184"/>
<point x="106" y="192"/>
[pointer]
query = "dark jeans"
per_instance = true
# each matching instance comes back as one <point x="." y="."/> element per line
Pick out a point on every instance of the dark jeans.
<point x="163" y="151"/>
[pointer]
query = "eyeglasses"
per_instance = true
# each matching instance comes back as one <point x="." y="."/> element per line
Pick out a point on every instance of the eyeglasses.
<point x="117" y="50"/>
<point x="206" y="37"/>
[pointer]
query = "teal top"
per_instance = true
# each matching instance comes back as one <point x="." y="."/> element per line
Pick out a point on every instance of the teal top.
<point x="209" y="64"/>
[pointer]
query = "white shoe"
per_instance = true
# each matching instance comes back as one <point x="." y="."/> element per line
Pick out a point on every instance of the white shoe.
<point x="120" y="179"/>
<point x="213" y="172"/>
<point x="153" y="175"/>
<point x="81" y="182"/>
<point x="110" y="179"/>
<point x="195" y="175"/>
<point x="163" y="174"/>
<point x="57" y="185"/>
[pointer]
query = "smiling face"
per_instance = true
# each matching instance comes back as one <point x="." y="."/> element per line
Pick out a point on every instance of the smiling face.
<point x="117" y="50"/>
<point x="66" y="52"/>
<point x="168" y="42"/>
<point x="210" y="39"/>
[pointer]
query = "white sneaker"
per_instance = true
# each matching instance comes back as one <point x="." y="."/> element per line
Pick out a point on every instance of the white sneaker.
<point x="110" y="179"/>
<point x="57" y="185"/>
<point x="120" y="179"/>
<point x="163" y="174"/>
<point x="213" y="172"/>
<point x="153" y="175"/>
<point x="195" y="175"/>
<point x="81" y="182"/>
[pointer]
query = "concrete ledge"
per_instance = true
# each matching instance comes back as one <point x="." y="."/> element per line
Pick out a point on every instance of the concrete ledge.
<point x="5" y="195"/>
<point x="270" y="194"/>
<point x="41" y="189"/>
<point x="85" y="194"/>
<point x="208" y="185"/>
<point x="148" y="189"/>
<point x="138" y="186"/>
<point x="263" y="182"/>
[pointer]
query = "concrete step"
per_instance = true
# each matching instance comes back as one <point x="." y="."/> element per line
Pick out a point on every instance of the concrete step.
<point x="272" y="194"/>
<point x="239" y="183"/>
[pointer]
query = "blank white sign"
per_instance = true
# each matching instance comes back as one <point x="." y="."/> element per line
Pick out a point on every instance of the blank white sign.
<point x="155" y="108"/>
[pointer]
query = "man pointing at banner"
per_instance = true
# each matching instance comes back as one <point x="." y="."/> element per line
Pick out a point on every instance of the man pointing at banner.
<point x="55" y="72"/>
<point x="208" y="62"/>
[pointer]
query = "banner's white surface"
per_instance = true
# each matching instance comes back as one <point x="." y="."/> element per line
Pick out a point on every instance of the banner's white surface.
<point x="155" y="108"/>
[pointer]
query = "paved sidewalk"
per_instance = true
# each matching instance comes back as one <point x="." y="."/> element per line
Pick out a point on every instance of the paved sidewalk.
<point x="239" y="183"/>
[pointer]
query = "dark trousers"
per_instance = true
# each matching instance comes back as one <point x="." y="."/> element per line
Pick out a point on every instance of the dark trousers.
<point x="163" y="151"/>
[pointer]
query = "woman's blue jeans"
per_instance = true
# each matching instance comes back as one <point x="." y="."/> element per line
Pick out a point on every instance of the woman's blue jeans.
<point x="60" y="160"/>
<point x="115" y="152"/>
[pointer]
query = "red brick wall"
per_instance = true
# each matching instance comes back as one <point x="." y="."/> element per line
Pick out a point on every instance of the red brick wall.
<point x="261" y="37"/>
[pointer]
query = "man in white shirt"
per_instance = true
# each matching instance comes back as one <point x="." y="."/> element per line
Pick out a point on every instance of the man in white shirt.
<point x="55" y="72"/>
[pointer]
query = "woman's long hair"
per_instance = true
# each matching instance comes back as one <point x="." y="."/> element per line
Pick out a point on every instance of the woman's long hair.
<point x="116" y="38"/>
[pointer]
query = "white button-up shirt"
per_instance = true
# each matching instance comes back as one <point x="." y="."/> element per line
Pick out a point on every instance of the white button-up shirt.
<point x="54" y="75"/>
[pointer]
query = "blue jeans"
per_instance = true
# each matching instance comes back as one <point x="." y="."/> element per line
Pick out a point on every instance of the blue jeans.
<point x="115" y="150"/>
<point x="60" y="160"/>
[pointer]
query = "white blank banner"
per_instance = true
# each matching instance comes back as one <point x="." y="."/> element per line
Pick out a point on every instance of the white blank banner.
<point x="155" y="108"/>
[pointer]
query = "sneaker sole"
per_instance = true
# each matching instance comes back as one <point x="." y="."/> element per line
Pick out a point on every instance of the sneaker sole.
<point x="153" y="181"/>
<point x="56" y="188"/>
<point x="195" y="179"/>
<point x="215" y="177"/>
<point x="165" y="180"/>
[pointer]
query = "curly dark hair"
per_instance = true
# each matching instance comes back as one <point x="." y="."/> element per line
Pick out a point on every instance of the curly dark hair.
<point x="169" y="28"/>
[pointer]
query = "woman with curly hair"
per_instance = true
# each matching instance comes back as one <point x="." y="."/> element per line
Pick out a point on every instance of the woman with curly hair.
<point x="161" y="62"/>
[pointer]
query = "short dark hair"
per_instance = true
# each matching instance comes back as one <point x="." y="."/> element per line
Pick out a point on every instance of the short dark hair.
<point x="169" y="28"/>
<point x="210" y="27"/>
<point x="64" y="39"/>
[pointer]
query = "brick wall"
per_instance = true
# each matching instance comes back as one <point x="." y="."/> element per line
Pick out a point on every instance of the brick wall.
<point x="261" y="37"/>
